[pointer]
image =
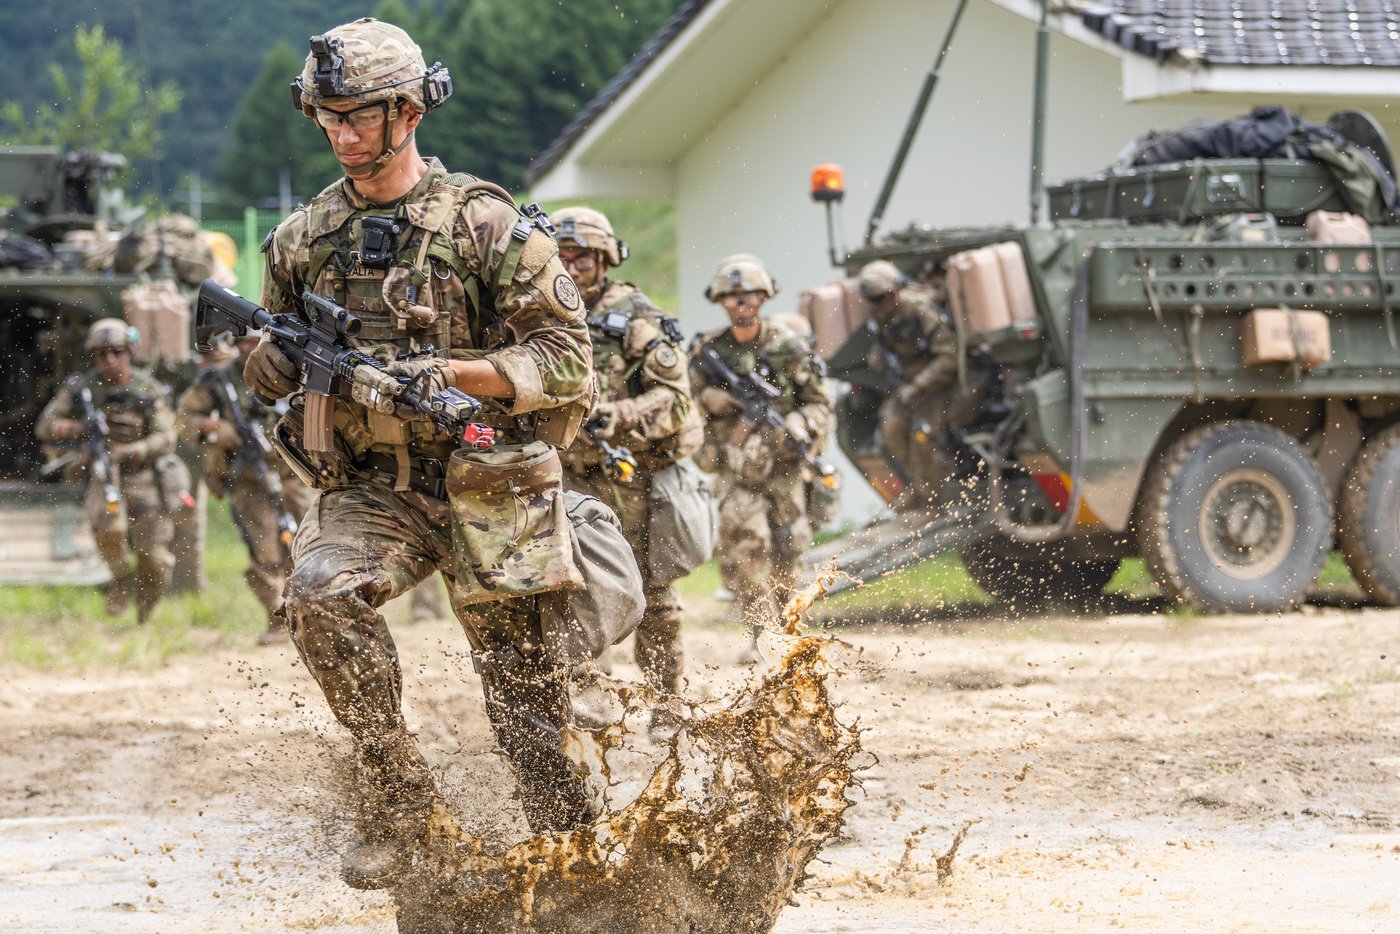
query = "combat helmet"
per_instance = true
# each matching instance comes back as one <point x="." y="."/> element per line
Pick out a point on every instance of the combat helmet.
<point x="368" y="61"/>
<point x="742" y="272"/>
<point x="111" y="332"/>
<point x="591" y="230"/>
<point x="879" y="278"/>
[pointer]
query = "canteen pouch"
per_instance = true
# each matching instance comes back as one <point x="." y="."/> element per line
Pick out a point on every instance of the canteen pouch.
<point x="510" y="534"/>
<point x="577" y="625"/>
<point x="682" y="526"/>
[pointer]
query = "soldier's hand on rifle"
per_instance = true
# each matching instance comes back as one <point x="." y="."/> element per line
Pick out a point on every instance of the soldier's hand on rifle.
<point x="907" y="394"/>
<point x="611" y="417"/>
<point x="796" y="426"/>
<point x="269" y="372"/>
<point x="132" y="452"/>
<point x="439" y="369"/>
<point x="719" y="403"/>
<point x="220" y="435"/>
<point x="67" y="429"/>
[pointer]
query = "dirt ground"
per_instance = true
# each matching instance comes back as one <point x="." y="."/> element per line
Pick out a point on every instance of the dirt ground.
<point x="1135" y="771"/>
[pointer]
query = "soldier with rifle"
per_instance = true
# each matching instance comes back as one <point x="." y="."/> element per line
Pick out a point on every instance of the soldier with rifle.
<point x="915" y="347"/>
<point x="760" y="385"/>
<point x="120" y="418"/>
<point x="266" y="498"/>
<point x="436" y="356"/>
<point x="643" y="423"/>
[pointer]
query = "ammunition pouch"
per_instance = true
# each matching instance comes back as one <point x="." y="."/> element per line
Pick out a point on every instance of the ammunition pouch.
<point x="173" y="482"/>
<point x="560" y="426"/>
<point x="682" y="526"/>
<point x="510" y="534"/>
<point x="321" y="470"/>
<point x="578" y="624"/>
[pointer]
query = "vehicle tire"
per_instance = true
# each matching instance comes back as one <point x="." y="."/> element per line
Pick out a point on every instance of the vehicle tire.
<point x="1235" y="517"/>
<point x="1031" y="581"/>
<point x="1368" y="518"/>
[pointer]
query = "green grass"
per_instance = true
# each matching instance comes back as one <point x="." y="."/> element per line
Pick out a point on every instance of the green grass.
<point x="66" y="627"/>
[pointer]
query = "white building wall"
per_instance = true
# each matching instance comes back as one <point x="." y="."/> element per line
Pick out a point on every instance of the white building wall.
<point x="842" y="93"/>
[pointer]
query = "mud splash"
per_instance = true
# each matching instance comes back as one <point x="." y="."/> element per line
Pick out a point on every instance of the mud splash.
<point x="717" y="841"/>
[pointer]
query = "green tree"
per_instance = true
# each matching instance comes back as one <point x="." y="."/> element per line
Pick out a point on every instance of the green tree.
<point x="104" y="106"/>
<point x="270" y="136"/>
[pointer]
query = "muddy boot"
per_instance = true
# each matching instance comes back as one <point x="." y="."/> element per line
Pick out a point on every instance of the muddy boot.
<point x="274" y="634"/>
<point x="148" y="594"/>
<point x="116" y="597"/>
<point x="397" y="796"/>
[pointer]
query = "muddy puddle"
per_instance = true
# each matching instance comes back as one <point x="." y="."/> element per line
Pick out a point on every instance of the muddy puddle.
<point x="717" y="840"/>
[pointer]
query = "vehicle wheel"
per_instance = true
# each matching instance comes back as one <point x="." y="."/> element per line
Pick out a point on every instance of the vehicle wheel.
<point x="1034" y="580"/>
<point x="1368" y="520"/>
<point x="1235" y="517"/>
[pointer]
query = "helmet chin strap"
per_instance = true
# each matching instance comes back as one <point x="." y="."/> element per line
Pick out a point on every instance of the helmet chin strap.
<point x="366" y="172"/>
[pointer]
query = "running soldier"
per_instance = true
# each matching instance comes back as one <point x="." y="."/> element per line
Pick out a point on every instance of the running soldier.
<point x="644" y="409"/>
<point x="266" y="498"/>
<point x="122" y="417"/>
<point x="457" y="289"/>
<point x="763" y="524"/>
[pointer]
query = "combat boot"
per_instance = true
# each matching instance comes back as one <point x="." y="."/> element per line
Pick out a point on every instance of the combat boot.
<point x="116" y="597"/>
<point x="398" y="794"/>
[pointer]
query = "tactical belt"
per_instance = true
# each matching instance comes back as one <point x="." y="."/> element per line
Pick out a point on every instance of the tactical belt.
<point x="426" y="475"/>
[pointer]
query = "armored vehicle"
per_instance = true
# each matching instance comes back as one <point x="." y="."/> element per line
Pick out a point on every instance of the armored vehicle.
<point x="59" y="217"/>
<point x="1195" y="362"/>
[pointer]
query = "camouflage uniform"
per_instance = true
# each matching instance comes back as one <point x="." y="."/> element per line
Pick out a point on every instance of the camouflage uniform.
<point x="255" y="510"/>
<point x="142" y="431"/>
<point x="763" y="524"/>
<point x="492" y="287"/>
<point x="637" y="359"/>
<point x="915" y="419"/>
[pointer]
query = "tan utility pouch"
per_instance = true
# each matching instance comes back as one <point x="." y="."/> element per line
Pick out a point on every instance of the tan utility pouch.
<point x="510" y="534"/>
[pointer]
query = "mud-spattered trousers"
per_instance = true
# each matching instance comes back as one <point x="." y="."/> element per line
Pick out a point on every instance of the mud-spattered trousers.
<point x="140" y="523"/>
<point x="359" y="547"/>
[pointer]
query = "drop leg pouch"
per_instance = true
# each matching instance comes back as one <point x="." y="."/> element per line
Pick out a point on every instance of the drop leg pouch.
<point x="511" y="536"/>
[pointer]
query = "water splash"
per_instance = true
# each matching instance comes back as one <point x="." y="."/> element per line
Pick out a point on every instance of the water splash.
<point x="717" y="841"/>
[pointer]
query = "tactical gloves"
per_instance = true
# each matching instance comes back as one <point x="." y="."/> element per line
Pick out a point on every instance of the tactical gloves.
<point x="441" y="375"/>
<point x="796" y="426"/>
<point x="612" y="417"/>
<point x="132" y="452"/>
<point x="222" y="436"/>
<point x="269" y="372"/>
<point x="719" y="403"/>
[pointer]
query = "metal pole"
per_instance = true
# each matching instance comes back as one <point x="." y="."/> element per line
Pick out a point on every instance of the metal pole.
<point x="912" y="127"/>
<point x="1042" y="66"/>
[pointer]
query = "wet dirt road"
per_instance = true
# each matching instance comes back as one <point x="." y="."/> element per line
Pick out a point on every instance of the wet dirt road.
<point x="1128" y="772"/>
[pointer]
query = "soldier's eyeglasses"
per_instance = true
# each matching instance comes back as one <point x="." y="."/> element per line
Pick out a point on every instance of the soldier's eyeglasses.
<point x="583" y="262"/>
<point x="361" y="119"/>
<point x="742" y="298"/>
<point x="103" y="352"/>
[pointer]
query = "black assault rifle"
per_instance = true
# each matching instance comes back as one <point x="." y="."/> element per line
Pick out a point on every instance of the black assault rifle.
<point x="329" y="367"/>
<point x="99" y="460"/>
<point x="757" y="395"/>
<point x="253" y="453"/>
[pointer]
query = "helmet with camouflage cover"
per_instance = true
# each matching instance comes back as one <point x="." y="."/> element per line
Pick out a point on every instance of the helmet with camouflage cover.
<point x="742" y="272"/>
<point x="368" y="61"/>
<point x="111" y="332"/>
<point x="590" y="230"/>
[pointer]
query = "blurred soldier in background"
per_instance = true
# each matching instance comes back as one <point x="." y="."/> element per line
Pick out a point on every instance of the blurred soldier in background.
<point x="915" y="346"/>
<point x="764" y="528"/>
<point x="121" y="417"/>
<point x="267" y="499"/>
<point x="643" y="421"/>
